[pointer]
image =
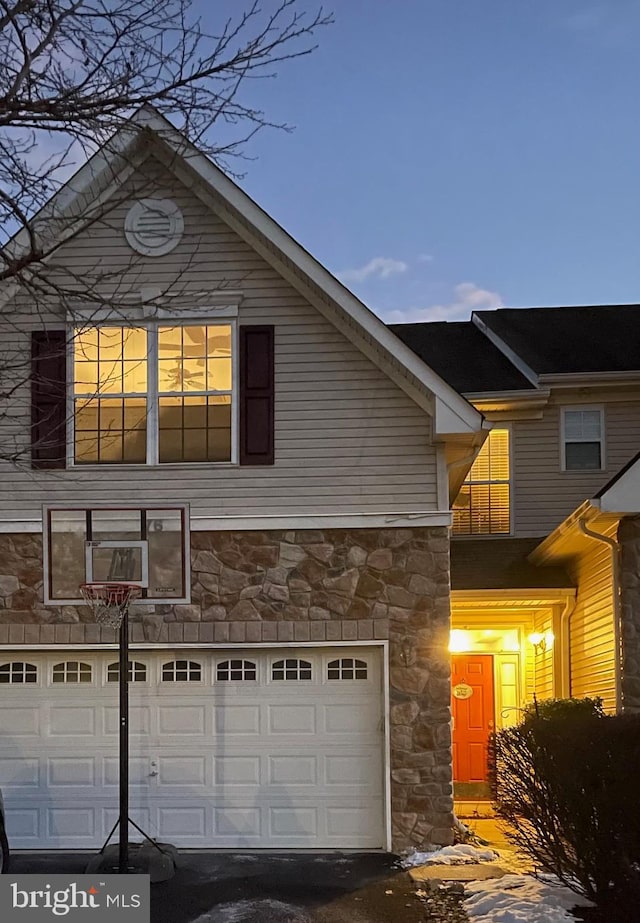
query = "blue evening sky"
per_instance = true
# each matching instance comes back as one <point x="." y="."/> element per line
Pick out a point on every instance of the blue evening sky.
<point x="451" y="154"/>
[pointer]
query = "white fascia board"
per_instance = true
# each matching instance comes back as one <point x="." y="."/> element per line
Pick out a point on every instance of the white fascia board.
<point x="623" y="497"/>
<point x="383" y="520"/>
<point x="506" y="350"/>
<point x="469" y="420"/>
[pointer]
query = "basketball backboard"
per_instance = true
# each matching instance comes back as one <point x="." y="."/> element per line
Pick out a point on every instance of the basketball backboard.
<point x="148" y="547"/>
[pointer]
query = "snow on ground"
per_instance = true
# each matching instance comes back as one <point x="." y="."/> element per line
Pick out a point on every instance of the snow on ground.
<point x="460" y="854"/>
<point x="521" y="899"/>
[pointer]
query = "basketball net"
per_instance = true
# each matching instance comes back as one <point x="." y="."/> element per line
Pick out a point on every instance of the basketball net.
<point x="109" y="602"/>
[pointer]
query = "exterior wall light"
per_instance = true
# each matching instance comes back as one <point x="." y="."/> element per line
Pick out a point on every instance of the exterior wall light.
<point x="541" y="642"/>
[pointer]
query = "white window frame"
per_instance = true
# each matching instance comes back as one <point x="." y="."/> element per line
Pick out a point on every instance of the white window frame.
<point x="507" y="425"/>
<point x="563" y="439"/>
<point x="206" y="317"/>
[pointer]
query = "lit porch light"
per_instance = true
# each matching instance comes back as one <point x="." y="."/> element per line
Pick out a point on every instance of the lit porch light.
<point x="458" y="641"/>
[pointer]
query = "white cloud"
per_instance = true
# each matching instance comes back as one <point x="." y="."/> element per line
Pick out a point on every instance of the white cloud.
<point x="425" y="258"/>
<point x="380" y="267"/>
<point x="468" y="297"/>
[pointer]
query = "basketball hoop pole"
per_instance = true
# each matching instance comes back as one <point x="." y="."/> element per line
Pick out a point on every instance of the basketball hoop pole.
<point x="123" y="817"/>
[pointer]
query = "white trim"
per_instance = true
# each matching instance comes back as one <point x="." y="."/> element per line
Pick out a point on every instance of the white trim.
<point x="301" y="521"/>
<point x="195" y="645"/>
<point x="383" y="645"/>
<point x="577" y="408"/>
<point x="442" y="476"/>
<point x="505" y="349"/>
<point x="221" y="185"/>
<point x="152" y="394"/>
<point x="386" y="681"/>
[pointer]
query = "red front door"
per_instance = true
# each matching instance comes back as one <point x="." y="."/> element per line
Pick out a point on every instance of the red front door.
<point x="472" y="708"/>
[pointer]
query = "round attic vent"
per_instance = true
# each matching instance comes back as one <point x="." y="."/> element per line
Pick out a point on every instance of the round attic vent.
<point x="154" y="226"/>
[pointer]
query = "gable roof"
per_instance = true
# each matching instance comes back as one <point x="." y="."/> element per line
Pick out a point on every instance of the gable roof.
<point x="451" y="413"/>
<point x="595" y="338"/>
<point x="510" y="349"/>
<point x="462" y="355"/>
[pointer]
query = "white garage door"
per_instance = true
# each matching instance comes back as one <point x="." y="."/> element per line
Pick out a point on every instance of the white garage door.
<point x="241" y="749"/>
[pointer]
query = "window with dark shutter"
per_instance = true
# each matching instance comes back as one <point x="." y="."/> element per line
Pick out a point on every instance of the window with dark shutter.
<point x="256" y="395"/>
<point x="48" y="399"/>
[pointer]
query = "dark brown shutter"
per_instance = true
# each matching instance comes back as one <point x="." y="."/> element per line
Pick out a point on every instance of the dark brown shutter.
<point x="48" y="398"/>
<point x="256" y="395"/>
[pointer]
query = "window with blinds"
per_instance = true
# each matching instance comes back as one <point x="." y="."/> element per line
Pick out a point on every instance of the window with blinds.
<point x="483" y="506"/>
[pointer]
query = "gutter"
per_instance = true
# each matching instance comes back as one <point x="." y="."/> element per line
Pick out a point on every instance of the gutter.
<point x="615" y="571"/>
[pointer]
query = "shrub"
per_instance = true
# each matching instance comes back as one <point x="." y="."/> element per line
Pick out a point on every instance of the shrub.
<point x="565" y="781"/>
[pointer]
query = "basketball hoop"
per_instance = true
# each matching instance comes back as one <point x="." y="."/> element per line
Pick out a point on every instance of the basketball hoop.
<point x="109" y="602"/>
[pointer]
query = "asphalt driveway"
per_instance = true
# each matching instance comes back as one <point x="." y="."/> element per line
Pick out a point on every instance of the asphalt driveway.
<point x="258" y="888"/>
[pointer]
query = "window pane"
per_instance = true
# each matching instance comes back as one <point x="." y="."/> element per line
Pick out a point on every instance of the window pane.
<point x="135" y="343"/>
<point x="582" y="425"/>
<point x="195" y="412"/>
<point x="582" y="456"/>
<point x="483" y="504"/>
<point x="195" y="445"/>
<point x="111" y="430"/>
<point x="86" y="377"/>
<point x="219" y="378"/>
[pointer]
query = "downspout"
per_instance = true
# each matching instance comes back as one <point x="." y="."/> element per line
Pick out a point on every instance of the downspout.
<point x="565" y="647"/>
<point x="615" y="573"/>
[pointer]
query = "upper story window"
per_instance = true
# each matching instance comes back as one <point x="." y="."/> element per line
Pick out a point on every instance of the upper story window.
<point x="583" y="439"/>
<point x="153" y="394"/>
<point x="483" y="506"/>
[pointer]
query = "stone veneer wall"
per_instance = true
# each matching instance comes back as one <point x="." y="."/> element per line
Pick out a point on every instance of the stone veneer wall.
<point x="286" y="586"/>
<point x="629" y="539"/>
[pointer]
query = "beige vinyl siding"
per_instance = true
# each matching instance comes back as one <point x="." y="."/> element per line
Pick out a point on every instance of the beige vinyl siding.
<point x="347" y="438"/>
<point x="542" y="662"/>
<point x="591" y="626"/>
<point x="543" y="494"/>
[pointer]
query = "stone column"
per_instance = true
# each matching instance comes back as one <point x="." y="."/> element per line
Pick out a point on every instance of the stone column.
<point x="629" y="539"/>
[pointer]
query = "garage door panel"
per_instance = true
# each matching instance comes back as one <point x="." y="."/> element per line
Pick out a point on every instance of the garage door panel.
<point x="140" y="815"/>
<point x="291" y="719"/>
<point x="182" y="822"/>
<point x="182" y="770"/>
<point x="255" y="764"/>
<point x="237" y="719"/>
<point x="293" y="769"/>
<point x="71" y="721"/>
<point x="71" y="771"/>
<point x="24" y="826"/>
<point x="71" y="825"/>
<point x="294" y="822"/>
<point x="183" y="720"/>
<point x="19" y="722"/>
<point x="237" y="821"/>
<point x="139" y="720"/>
<point x="19" y="772"/>
<point x="348" y="769"/>
<point x="231" y="771"/>
<point x="139" y="768"/>
<point x="349" y="718"/>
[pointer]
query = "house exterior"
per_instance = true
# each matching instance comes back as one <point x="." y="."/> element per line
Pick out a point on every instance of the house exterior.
<point x="215" y="419"/>
<point x="546" y="535"/>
